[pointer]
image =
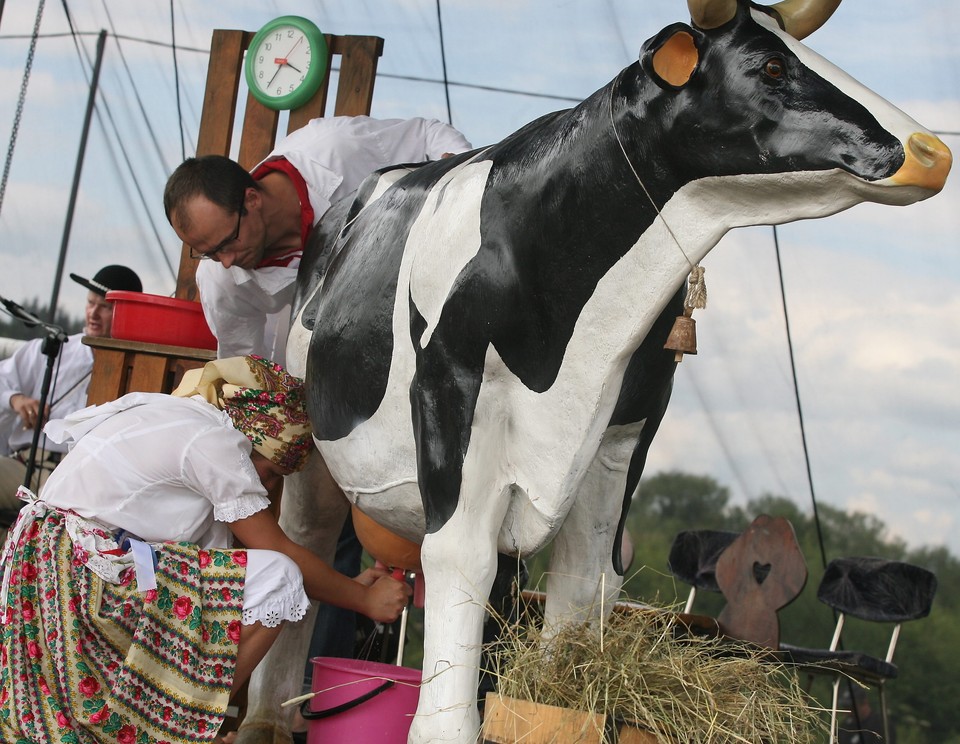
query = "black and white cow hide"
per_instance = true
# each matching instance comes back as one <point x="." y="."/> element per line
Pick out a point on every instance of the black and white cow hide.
<point x="482" y="336"/>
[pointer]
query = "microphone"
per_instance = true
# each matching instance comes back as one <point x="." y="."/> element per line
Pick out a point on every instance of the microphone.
<point x="30" y="320"/>
<point x="20" y="313"/>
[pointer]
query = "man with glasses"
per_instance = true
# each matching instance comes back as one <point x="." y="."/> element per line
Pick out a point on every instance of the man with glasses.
<point x="248" y="230"/>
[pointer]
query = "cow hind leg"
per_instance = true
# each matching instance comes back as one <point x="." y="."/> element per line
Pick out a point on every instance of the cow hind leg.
<point x="583" y="583"/>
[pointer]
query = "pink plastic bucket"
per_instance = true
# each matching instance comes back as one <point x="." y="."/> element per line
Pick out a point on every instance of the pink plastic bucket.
<point x="360" y="701"/>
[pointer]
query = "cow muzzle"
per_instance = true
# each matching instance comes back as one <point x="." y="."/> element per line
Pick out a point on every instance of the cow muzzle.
<point x="926" y="164"/>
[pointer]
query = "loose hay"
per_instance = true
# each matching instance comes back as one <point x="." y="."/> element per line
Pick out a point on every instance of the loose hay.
<point x="643" y="668"/>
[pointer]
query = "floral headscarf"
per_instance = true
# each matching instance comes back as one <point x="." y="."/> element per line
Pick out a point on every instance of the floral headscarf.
<point x="263" y="401"/>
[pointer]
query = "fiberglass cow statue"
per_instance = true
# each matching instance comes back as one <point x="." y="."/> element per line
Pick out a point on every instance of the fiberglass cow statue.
<point x="474" y="332"/>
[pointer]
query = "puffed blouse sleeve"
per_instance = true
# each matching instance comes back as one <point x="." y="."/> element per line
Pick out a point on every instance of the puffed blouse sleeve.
<point x="217" y="464"/>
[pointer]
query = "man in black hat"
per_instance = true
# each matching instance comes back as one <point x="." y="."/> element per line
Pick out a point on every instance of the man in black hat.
<point x="21" y="378"/>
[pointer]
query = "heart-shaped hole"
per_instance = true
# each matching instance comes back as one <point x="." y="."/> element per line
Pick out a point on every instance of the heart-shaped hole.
<point x="761" y="571"/>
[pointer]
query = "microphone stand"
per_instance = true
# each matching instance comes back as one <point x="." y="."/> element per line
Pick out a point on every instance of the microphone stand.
<point x="51" y="349"/>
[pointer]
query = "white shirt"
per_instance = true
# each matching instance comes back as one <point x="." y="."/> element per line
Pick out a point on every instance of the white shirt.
<point x="160" y="467"/>
<point x="248" y="310"/>
<point x="23" y="373"/>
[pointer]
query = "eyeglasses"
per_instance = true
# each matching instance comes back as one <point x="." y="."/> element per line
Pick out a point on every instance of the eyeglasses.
<point x="223" y="243"/>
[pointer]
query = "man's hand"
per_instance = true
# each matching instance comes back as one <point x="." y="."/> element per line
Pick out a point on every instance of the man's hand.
<point x="27" y="409"/>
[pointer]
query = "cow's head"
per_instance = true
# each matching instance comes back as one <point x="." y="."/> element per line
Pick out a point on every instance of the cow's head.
<point x="746" y="98"/>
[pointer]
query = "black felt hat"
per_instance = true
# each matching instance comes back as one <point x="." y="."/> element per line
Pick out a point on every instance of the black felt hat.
<point x="111" y="277"/>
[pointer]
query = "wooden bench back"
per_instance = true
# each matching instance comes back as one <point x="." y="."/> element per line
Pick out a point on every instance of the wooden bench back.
<point x="358" y="58"/>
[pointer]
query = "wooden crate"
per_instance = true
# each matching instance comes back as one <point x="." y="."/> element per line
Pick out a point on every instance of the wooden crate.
<point x="510" y="721"/>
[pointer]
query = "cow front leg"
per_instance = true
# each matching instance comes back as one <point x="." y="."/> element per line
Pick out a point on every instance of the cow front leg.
<point x="459" y="565"/>
<point x="463" y="510"/>
<point x="313" y="510"/>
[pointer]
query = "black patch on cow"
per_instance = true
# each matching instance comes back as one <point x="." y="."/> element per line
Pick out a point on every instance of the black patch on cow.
<point x="644" y="395"/>
<point x="562" y="205"/>
<point x="352" y="341"/>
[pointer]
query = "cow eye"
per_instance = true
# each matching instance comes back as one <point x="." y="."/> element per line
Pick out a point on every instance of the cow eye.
<point x="775" y="68"/>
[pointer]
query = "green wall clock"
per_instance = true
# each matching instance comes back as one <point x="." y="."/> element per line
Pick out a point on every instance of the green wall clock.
<point x="286" y="62"/>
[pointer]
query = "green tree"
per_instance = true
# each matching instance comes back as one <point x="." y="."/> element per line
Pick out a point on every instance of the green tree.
<point x="695" y="501"/>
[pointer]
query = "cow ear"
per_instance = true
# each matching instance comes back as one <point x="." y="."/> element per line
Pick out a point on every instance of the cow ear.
<point x="671" y="57"/>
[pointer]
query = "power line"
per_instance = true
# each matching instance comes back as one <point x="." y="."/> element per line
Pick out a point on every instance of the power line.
<point x="176" y="81"/>
<point x="380" y="74"/>
<point x="104" y="105"/>
<point x="443" y="60"/>
<point x="796" y="392"/>
<point x="136" y="92"/>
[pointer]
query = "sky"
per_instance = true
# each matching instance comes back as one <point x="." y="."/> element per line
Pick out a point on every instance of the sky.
<point x="871" y="294"/>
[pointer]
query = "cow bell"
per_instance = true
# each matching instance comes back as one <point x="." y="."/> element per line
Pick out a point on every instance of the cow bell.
<point x="683" y="335"/>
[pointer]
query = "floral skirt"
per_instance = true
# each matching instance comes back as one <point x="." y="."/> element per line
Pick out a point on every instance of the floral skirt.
<point x="88" y="660"/>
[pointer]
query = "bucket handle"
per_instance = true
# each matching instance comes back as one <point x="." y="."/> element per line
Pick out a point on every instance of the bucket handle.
<point x="314" y="715"/>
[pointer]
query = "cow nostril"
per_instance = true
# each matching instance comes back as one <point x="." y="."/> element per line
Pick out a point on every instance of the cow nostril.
<point x="924" y="149"/>
<point x="926" y="164"/>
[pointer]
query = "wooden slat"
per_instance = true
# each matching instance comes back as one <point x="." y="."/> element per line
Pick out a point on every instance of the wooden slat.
<point x="216" y="124"/>
<point x="126" y="345"/>
<point x="108" y="378"/>
<point x="317" y="105"/>
<point x="258" y="134"/>
<point x="508" y="720"/>
<point x="148" y="374"/>
<point x="358" y="71"/>
<point x="220" y="97"/>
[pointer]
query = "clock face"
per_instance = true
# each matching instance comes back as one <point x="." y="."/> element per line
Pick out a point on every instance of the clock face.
<point x="286" y="62"/>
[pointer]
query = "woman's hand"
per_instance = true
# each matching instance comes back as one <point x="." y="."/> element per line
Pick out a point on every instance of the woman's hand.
<point x="373" y="593"/>
<point x="368" y="577"/>
<point x="385" y="598"/>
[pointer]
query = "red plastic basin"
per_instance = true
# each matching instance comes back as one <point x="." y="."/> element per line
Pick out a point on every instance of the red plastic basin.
<point x="155" y="319"/>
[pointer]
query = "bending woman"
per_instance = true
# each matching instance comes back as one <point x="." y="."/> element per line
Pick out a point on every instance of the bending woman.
<point x="127" y="617"/>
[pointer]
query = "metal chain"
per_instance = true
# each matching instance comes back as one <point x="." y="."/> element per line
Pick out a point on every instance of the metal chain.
<point x="20" y="100"/>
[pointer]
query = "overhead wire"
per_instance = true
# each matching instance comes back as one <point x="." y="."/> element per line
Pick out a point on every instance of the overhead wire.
<point x="105" y="106"/>
<point x="796" y="392"/>
<point x="445" y="81"/>
<point x="443" y="60"/>
<point x="136" y="91"/>
<point x="176" y="81"/>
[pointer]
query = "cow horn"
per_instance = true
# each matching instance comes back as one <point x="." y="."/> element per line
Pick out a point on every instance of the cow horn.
<point x="711" y="13"/>
<point x="802" y="17"/>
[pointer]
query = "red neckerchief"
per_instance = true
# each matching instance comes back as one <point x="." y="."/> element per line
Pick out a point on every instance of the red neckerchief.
<point x="283" y="165"/>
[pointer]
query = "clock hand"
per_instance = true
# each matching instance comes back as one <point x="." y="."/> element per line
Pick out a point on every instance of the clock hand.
<point x="281" y="61"/>
<point x="279" y="67"/>
<point x="291" y="50"/>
